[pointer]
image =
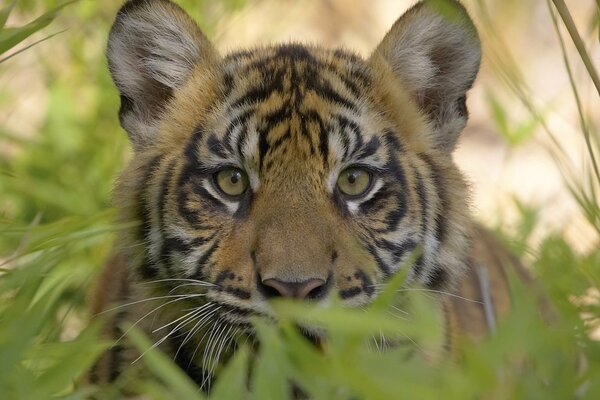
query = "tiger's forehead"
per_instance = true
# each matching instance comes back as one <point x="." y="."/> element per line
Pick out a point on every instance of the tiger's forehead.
<point x="293" y="106"/>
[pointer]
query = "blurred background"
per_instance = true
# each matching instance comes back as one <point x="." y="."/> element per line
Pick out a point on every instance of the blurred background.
<point x="529" y="148"/>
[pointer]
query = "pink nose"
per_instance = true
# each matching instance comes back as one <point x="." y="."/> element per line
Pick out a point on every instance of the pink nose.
<point x="298" y="290"/>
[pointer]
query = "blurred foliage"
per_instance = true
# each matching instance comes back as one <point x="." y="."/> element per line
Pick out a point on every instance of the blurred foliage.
<point x="55" y="232"/>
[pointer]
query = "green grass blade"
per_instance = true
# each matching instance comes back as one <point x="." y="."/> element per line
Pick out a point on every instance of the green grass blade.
<point x="8" y="57"/>
<point x="162" y="367"/>
<point x="10" y="37"/>
<point x="232" y="382"/>
<point x="5" y="12"/>
<point x="582" y="120"/>
<point x="565" y="15"/>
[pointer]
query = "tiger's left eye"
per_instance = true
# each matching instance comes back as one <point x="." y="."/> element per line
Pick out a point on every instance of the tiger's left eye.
<point x="232" y="181"/>
<point x="354" y="181"/>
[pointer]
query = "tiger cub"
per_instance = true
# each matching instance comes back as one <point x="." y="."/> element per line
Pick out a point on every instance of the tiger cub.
<point x="291" y="171"/>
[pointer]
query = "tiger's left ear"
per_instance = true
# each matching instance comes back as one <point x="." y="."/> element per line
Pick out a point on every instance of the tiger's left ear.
<point x="435" y="51"/>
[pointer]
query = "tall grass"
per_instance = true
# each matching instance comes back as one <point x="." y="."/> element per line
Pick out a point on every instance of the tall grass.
<point x="55" y="233"/>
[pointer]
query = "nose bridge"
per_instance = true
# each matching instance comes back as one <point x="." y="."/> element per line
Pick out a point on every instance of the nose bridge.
<point x="293" y="242"/>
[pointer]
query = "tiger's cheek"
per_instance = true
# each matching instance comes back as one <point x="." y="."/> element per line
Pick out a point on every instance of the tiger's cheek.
<point x="357" y="275"/>
<point x="232" y="267"/>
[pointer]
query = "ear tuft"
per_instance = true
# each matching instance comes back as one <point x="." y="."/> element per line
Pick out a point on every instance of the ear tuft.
<point x="435" y="51"/>
<point x="153" y="46"/>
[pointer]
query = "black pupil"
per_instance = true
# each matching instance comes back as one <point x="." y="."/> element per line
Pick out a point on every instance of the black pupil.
<point x="235" y="177"/>
<point x="352" y="177"/>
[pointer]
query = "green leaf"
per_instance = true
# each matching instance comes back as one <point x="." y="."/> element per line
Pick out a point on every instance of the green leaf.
<point x="8" y="57"/>
<point x="70" y="361"/>
<point x="10" y="37"/>
<point x="272" y="370"/>
<point x="5" y="12"/>
<point x="232" y="382"/>
<point x="162" y="367"/>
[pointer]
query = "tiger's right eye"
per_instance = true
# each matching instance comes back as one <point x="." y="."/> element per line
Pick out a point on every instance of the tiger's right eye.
<point x="232" y="181"/>
<point x="354" y="181"/>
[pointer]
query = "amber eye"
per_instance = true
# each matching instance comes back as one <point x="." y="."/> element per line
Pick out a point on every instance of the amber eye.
<point x="232" y="181"/>
<point x="354" y="181"/>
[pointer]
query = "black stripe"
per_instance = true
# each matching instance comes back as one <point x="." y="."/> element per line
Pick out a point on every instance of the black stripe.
<point x="323" y="143"/>
<point x="143" y="208"/>
<point x="237" y="292"/>
<point x="422" y="193"/>
<point x="438" y="277"/>
<point x="346" y="55"/>
<point x="394" y="217"/>
<point x="334" y="126"/>
<point x="263" y="147"/>
<point x="295" y="52"/>
<point x="440" y="220"/>
<point x="202" y="261"/>
<point x="191" y="148"/>
<point x="271" y="82"/>
<point x="191" y="216"/>
<point x="376" y="203"/>
<point x="209" y="202"/>
<point x="173" y="245"/>
<point x="227" y="83"/>
<point x="147" y="269"/>
<point x="191" y="177"/>
<point x="346" y="126"/>
<point x="282" y="139"/>
<point x="380" y="263"/>
<point x="418" y="267"/>
<point x="252" y="96"/>
<point x="369" y="148"/>
<point x="164" y="191"/>
<point x="366" y="282"/>
<point x="393" y="140"/>
<point x="353" y="87"/>
<point x="240" y="121"/>
<point x="275" y="117"/>
<point x="238" y="55"/>
<point x="324" y="89"/>
<point x="215" y="146"/>
<point x="223" y="276"/>
<point x="397" y="250"/>
<point x="357" y="72"/>
<point x="351" y="292"/>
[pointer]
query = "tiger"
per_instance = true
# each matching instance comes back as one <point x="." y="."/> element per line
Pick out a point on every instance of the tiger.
<point x="291" y="171"/>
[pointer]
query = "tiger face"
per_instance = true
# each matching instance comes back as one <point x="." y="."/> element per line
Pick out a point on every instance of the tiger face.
<point x="292" y="170"/>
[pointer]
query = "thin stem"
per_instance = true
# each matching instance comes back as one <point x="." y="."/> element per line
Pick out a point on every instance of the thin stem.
<point x="582" y="120"/>
<point x="565" y="15"/>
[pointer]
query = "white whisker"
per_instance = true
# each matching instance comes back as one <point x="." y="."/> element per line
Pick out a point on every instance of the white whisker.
<point x="202" y="320"/>
<point x="382" y="286"/>
<point x="194" y="311"/>
<point x="207" y="349"/>
<point x="187" y="280"/>
<point x="397" y="316"/>
<point x="399" y="310"/>
<point x="168" y="335"/>
<point x="187" y="284"/>
<point x="150" y="299"/>
<point x="224" y="339"/>
<point x="152" y="311"/>
<point x="439" y="292"/>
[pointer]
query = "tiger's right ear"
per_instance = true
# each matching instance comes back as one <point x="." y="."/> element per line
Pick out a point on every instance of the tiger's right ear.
<point x="153" y="46"/>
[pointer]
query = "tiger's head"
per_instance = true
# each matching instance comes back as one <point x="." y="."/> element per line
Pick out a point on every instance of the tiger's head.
<point x="293" y="170"/>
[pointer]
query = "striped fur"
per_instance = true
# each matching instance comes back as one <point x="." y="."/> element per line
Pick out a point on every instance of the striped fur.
<point x="293" y="117"/>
